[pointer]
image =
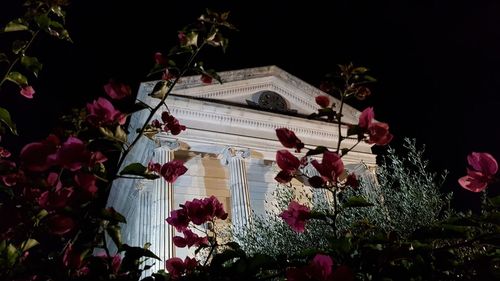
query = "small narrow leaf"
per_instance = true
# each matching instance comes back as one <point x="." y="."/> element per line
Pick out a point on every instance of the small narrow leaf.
<point x="356" y="201"/>
<point x="316" y="151"/>
<point x="15" y="25"/>
<point x="137" y="169"/>
<point x="29" y="244"/>
<point x="5" y="118"/>
<point x="114" y="231"/>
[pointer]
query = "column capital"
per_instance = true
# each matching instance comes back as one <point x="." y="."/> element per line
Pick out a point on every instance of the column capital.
<point x="229" y="153"/>
<point x="166" y="142"/>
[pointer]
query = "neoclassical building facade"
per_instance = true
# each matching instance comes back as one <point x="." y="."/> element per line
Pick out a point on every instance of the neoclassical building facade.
<point x="229" y="148"/>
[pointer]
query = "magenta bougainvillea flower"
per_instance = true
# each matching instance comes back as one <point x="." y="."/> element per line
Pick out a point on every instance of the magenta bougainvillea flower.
<point x="72" y="258"/>
<point x="214" y="208"/>
<point x="288" y="163"/>
<point x="484" y="167"/>
<point x="86" y="182"/>
<point x="60" y="224"/>
<point x="160" y="59"/>
<point x="331" y="166"/>
<point x="117" y="91"/>
<point x="378" y="132"/>
<point x="72" y="154"/>
<point x="102" y="112"/>
<point x="4" y="153"/>
<point x="172" y="125"/>
<point x="320" y="269"/>
<point x="322" y="101"/>
<point x="179" y="219"/>
<point x="198" y="211"/>
<point x="27" y="92"/>
<point x="35" y="155"/>
<point x="172" y="170"/>
<point x="176" y="267"/>
<point x="55" y="199"/>
<point x="207" y="79"/>
<point x="296" y="216"/>
<point x="352" y="181"/>
<point x="288" y="139"/>
<point x="190" y="239"/>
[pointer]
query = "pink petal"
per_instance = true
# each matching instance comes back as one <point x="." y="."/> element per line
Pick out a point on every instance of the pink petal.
<point x="472" y="184"/>
<point x="27" y="91"/>
<point x="483" y="162"/>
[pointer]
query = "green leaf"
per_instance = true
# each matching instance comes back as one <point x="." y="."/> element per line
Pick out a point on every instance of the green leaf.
<point x="17" y="78"/>
<point x="359" y="70"/>
<point x="15" y="25"/>
<point x="12" y="254"/>
<point x="137" y="169"/>
<point x="29" y="244"/>
<point x="5" y="118"/>
<point x="114" y="231"/>
<point x="42" y="21"/>
<point x="112" y="215"/>
<point x="317" y="150"/>
<point x="356" y="201"/>
<point x="32" y="64"/>
<point x="369" y="78"/>
<point x="18" y="46"/>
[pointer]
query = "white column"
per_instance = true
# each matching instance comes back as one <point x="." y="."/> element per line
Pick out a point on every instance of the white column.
<point x="162" y="200"/>
<point x="241" y="215"/>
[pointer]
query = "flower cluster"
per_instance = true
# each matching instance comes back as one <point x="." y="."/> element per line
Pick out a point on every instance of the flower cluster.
<point x="320" y="268"/>
<point x="484" y="167"/>
<point x="170" y="124"/>
<point x="170" y="171"/>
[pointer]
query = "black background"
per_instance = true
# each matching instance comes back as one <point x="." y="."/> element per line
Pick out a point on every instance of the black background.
<point x="437" y="62"/>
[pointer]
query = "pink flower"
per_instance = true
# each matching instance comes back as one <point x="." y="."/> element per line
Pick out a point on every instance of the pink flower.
<point x="102" y="112"/>
<point x="55" y="199"/>
<point x="296" y="216"/>
<point x="171" y="124"/>
<point x="366" y="117"/>
<point x="34" y="156"/>
<point x="27" y="92"/>
<point x="331" y="166"/>
<point x="190" y="239"/>
<point x="176" y="267"/>
<point x="197" y="212"/>
<point x="172" y="170"/>
<point x="160" y="59"/>
<point x="288" y="163"/>
<point x="288" y="139"/>
<point x="484" y="168"/>
<point x="71" y="155"/>
<point x="323" y="101"/>
<point x="179" y="219"/>
<point x="319" y="269"/>
<point x="214" y="208"/>
<point x="206" y="79"/>
<point x="352" y="181"/>
<point x="86" y="182"/>
<point x="379" y="133"/>
<point x="117" y="91"/>
<point x="60" y="224"/>
<point x="4" y="153"/>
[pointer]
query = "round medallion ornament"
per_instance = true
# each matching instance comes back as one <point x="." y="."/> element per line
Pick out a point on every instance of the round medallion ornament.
<point x="272" y="101"/>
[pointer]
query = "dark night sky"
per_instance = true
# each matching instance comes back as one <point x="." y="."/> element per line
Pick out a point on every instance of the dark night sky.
<point x="436" y="61"/>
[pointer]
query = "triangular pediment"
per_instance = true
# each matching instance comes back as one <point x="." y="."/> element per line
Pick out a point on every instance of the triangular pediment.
<point x="256" y="88"/>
